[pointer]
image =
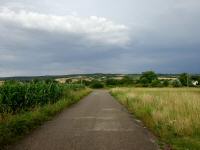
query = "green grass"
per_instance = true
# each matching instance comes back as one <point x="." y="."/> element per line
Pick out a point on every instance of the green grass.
<point x="13" y="127"/>
<point x="173" y="114"/>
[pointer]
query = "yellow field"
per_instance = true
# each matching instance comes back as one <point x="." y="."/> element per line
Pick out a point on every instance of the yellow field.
<point x="1" y="82"/>
<point x="171" y="113"/>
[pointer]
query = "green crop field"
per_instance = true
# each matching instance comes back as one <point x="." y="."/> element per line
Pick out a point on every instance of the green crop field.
<point x="173" y="114"/>
<point x="26" y="105"/>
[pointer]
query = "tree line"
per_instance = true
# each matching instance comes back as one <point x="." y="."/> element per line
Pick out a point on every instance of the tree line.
<point x="146" y="79"/>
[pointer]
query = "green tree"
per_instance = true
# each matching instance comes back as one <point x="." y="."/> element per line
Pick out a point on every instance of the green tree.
<point x="148" y="77"/>
<point x="185" y="79"/>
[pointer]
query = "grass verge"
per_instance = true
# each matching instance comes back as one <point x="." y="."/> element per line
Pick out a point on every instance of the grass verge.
<point x="15" y="127"/>
<point x="173" y="114"/>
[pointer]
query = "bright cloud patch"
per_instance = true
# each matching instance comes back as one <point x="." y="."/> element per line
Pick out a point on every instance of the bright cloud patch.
<point x="95" y="29"/>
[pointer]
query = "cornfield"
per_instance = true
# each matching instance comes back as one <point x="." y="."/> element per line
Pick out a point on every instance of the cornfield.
<point x="17" y="96"/>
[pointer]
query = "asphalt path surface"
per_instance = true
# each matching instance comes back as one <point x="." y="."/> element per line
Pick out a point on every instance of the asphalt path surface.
<point x="98" y="122"/>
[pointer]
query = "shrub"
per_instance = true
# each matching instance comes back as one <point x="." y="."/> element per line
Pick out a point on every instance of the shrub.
<point x="176" y="83"/>
<point x="97" y="85"/>
<point x="156" y="83"/>
<point x="165" y="83"/>
<point x="112" y="82"/>
<point x="127" y="80"/>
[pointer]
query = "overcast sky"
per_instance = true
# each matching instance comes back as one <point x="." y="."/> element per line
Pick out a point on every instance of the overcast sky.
<point x="48" y="37"/>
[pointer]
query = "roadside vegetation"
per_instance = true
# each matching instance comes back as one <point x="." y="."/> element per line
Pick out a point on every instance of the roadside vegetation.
<point x="145" y="79"/>
<point x="173" y="114"/>
<point x="99" y="80"/>
<point x="26" y="105"/>
<point x="165" y="103"/>
<point x="16" y="96"/>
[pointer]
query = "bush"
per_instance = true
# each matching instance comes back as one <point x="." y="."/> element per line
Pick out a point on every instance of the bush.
<point x="97" y="85"/>
<point x="165" y="83"/>
<point x="156" y="83"/>
<point x="127" y="80"/>
<point x="176" y="83"/>
<point x="112" y="82"/>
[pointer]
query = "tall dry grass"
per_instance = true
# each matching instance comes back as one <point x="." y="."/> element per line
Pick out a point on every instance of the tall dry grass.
<point x="172" y="113"/>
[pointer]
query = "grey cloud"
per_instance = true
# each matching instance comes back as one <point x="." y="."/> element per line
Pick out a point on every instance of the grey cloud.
<point x="158" y="35"/>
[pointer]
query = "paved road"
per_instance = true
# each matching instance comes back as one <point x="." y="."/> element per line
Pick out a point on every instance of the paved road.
<point x="98" y="122"/>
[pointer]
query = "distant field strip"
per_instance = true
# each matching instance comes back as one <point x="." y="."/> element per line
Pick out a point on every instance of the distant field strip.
<point x="173" y="114"/>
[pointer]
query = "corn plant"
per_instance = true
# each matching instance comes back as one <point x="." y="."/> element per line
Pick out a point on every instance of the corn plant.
<point x="18" y="96"/>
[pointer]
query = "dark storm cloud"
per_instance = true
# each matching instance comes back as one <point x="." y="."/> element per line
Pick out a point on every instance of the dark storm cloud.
<point x="48" y="37"/>
<point x="56" y="44"/>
